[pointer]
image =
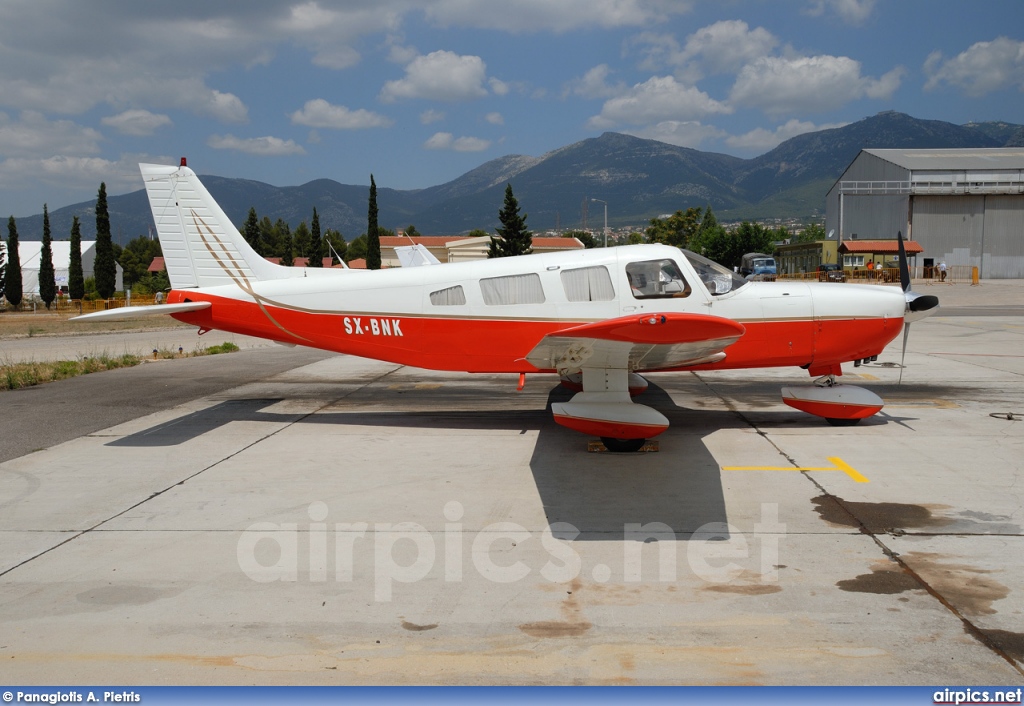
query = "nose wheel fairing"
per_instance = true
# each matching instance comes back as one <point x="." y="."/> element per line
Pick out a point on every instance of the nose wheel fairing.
<point x="846" y="404"/>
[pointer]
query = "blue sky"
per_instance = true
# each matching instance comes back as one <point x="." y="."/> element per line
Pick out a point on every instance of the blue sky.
<point x="419" y="92"/>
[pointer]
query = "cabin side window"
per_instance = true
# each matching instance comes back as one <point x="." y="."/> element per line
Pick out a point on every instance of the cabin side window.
<point x="452" y="296"/>
<point x="588" y="284"/>
<point x="512" y="289"/>
<point x="652" y="279"/>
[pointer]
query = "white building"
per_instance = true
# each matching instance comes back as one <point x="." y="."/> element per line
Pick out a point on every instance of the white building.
<point x="30" y="251"/>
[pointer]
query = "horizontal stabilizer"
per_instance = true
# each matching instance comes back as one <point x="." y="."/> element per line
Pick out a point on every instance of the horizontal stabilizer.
<point x="125" y="313"/>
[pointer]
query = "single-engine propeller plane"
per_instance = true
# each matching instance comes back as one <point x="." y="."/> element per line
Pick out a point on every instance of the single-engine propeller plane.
<point x="598" y="318"/>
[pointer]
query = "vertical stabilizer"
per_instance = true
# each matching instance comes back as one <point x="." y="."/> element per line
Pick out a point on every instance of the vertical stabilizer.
<point x="201" y="246"/>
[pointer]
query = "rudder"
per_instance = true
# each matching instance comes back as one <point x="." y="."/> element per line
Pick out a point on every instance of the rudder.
<point x="201" y="246"/>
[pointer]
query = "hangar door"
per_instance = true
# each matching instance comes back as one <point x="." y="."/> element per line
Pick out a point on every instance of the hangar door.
<point x="1003" y="248"/>
<point x="950" y="228"/>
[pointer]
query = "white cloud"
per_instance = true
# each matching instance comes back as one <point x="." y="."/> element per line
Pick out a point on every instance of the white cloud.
<point x="779" y="85"/>
<point x="79" y="175"/>
<point x="594" y="84"/>
<point x="498" y="87"/>
<point x="136" y="122"/>
<point x="320" y="113"/>
<point x="495" y="118"/>
<point x="440" y="75"/>
<point x="684" y="133"/>
<point x="561" y="16"/>
<point x="725" y="47"/>
<point x="428" y="117"/>
<point x="447" y="141"/>
<point x="722" y="47"/>
<point x="260" y="146"/>
<point x="33" y="136"/>
<point x="656" y="100"/>
<point x="852" y="12"/>
<point x="763" y="140"/>
<point x="981" y="69"/>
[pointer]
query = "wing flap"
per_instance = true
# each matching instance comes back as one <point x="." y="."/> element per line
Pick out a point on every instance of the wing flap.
<point x="648" y="342"/>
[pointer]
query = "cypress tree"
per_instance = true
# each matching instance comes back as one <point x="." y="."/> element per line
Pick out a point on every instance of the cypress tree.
<point x="513" y="237"/>
<point x="47" y="281"/>
<point x="12" y="278"/>
<point x="284" y="243"/>
<point x="104" y="266"/>
<point x="316" y="244"/>
<point x="3" y="267"/>
<point x="372" y="234"/>
<point x="76" y="278"/>
<point x="252" y="232"/>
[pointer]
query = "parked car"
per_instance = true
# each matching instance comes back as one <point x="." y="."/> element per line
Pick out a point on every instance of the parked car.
<point x="831" y="273"/>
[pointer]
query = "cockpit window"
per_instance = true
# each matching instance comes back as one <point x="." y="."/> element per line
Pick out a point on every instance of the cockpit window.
<point x="656" y="279"/>
<point x="718" y="279"/>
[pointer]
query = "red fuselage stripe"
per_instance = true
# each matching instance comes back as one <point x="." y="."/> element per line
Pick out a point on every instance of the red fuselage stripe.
<point x="500" y="346"/>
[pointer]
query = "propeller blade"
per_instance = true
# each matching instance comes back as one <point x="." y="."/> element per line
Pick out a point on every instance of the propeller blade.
<point x="904" y="265"/>
<point x="903" y="357"/>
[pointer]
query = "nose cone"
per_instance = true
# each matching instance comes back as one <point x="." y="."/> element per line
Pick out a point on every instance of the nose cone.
<point x="920" y="306"/>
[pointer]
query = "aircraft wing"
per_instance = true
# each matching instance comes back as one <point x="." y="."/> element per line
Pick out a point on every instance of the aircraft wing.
<point x="637" y="342"/>
<point x="125" y="313"/>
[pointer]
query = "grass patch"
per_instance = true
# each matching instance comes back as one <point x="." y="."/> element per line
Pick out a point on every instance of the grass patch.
<point x="14" y="376"/>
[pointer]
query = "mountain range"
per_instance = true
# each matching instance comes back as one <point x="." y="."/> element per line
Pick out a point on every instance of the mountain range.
<point x="639" y="179"/>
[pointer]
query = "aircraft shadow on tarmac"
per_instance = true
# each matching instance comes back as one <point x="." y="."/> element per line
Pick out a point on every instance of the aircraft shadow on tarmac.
<point x="595" y="494"/>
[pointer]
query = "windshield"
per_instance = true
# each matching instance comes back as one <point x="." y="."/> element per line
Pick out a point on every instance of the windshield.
<point x="718" y="279"/>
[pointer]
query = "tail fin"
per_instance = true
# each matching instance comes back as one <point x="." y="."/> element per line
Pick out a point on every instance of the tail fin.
<point x="201" y="247"/>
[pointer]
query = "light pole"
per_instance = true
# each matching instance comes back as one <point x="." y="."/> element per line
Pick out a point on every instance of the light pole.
<point x="605" y="220"/>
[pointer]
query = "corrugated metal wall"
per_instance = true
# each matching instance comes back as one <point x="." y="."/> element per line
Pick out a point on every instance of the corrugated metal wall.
<point x="986" y="232"/>
<point x="1003" y="251"/>
<point x="874" y="217"/>
<point x="950" y="228"/>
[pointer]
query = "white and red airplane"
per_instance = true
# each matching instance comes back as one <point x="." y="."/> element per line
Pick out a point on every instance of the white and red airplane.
<point x="596" y="317"/>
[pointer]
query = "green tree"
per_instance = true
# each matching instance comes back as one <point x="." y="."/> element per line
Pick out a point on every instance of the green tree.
<point x="285" y="245"/>
<point x="729" y="248"/>
<point x="3" y="267"/>
<point x="513" y="237"/>
<point x="372" y="233"/>
<point x="47" y="281"/>
<point x="337" y="244"/>
<point x="411" y="232"/>
<point x="356" y="249"/>
<point x="76" y="278"/>
<point x="316" y="245"/>
<point x="635" y="238"/>
<point x="300" y="240"/>
<point x="677" y="230"/>
<point x="583" y="236"/>
<point x="105" y="264"/>
<point x="251" y="232"/>
<point x="12" y="278"/>
<point x="136" y="257"/>
<point x="811" y="233"/>
<point x="478" y="233"/>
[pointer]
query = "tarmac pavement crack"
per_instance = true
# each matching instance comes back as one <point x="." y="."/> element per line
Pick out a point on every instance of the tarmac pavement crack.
<point x="969" y="627"/>
<point x="98" y="526"/>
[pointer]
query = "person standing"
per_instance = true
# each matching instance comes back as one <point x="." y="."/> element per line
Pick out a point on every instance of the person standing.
<point x="942" y="270"/>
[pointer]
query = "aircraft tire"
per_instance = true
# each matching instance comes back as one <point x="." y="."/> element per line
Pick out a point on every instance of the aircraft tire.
<point x="622" y="445"/>
<point x="837" y="422"/>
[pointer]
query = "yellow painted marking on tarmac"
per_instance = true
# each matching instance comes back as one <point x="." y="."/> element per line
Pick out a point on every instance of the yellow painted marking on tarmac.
<point x="866" y="376"/>
<point x="838" y="465"/>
